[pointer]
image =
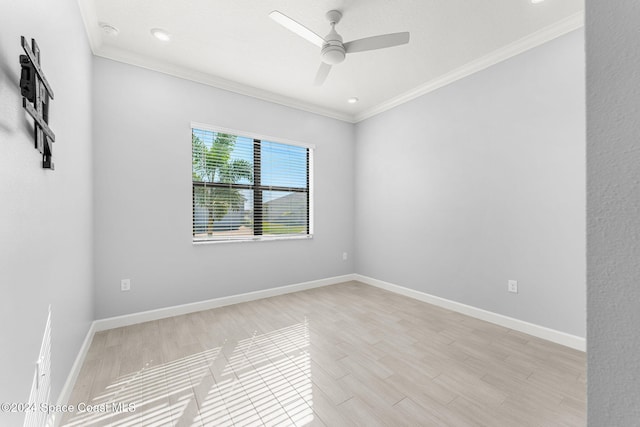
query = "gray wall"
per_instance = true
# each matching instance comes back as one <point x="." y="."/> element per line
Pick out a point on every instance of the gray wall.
<point x="613" y="212"/>
<point x="143" y="194"/>
<point x="45" y="216"/>
<point x="480" y="182"/>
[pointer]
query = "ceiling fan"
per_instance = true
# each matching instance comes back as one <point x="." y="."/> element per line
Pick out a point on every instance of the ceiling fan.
<point x="333" y="50"/>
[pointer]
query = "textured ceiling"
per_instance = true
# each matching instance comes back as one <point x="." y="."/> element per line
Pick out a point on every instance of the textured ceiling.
<point x="233" y="44"/>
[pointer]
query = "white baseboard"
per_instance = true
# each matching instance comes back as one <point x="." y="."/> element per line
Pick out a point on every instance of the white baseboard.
<point x="548" y="334"/>
<point x="65" y="393"/>
<point x="161" y="313"/>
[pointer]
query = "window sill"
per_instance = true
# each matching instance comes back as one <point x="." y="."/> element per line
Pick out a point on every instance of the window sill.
<point x="256" y="239"/>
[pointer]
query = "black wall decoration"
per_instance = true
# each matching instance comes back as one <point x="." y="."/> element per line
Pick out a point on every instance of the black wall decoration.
<point x="36" y="95"/>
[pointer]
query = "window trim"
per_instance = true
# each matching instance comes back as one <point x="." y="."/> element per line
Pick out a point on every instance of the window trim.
<point x="310" y="193"/>
<point x="250" y="135"/>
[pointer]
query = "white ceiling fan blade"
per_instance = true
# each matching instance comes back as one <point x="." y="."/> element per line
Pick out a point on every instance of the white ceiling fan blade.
<point x="322" y="74"/>
<point x="376" y="42"/>
<point x="297" y="28"/>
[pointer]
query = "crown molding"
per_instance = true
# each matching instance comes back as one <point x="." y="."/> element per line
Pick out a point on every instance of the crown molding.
<point x="91" y="24"/>
<point x="89" y="16"/>
<point x="219" y="83"/>
<point x="560" y="28"/>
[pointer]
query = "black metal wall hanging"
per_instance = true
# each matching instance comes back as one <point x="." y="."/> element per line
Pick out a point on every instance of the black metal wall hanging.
<point x="36" y="95"/>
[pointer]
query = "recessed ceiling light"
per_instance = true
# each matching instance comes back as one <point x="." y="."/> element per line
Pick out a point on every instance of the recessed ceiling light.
<point x="161" y="34"/>
<point x="352" y="100"/>
<point x="109" y="29"/>
<point x="536" y="1"/>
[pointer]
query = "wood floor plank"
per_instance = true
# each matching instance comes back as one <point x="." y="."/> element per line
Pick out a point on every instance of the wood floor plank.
<point x="420" y="387"/>
<point x="330" y="386"/>
<point x="373" y="391"/>
<point x="324" y="408"/>
<point x="412" y="414"/>
<point x="481" y="414"/>
<point x="360" y="414"/>
<point x="340" y="355"/>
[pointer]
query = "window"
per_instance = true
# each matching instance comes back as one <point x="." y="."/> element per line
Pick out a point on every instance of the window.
<point x="248" y="188"/>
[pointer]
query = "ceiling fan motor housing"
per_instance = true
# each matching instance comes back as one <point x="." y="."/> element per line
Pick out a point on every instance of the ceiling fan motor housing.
<point x="333" y="50"/>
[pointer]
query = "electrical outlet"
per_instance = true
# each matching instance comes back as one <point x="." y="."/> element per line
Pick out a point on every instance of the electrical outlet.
<point x="513" y="286"/>
<point x="125" y="285"/>
<point x="344" y="256"/>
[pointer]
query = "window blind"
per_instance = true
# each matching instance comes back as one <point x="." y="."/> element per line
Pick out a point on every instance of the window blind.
<point x="246" y="188"/>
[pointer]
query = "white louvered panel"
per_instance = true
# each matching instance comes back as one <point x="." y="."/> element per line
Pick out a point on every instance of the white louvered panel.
<point x="41" y="386"/>
<point x="247" y="188"/>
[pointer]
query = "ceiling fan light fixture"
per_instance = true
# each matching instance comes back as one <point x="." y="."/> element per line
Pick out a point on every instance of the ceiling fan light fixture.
<point x="332" y="54"/>
<point x="160" y="34"/>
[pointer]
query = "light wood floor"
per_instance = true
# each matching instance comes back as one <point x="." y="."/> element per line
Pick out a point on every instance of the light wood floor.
<point x="346" y="354"/>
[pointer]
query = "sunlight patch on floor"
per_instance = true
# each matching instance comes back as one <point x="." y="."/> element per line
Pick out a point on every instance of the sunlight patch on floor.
<point x="263" y="379"/>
